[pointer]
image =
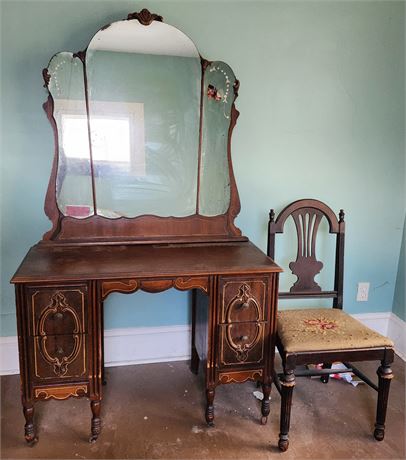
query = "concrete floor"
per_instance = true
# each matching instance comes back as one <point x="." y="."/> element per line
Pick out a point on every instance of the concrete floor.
<point x="156" y="411"/>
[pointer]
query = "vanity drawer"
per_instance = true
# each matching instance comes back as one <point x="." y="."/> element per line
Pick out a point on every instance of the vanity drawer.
<point x="55" y="311"/>
<point x="59" y="357"/>
<point x="242" y="300"/>
<point x="241" y="343"/>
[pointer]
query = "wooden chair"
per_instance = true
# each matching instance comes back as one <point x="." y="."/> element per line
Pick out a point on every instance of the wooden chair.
<point x="313" y="336"/>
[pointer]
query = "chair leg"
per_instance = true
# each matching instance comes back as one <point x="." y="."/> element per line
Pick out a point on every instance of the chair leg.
<point x="287" y="385"/>
<point x="385" y="375"/>
<point x="326" y="378"/>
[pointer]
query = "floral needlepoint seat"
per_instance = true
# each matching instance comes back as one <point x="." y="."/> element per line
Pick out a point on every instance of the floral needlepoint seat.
<point x="311" y="336"/>
<point x="316" y="329"/>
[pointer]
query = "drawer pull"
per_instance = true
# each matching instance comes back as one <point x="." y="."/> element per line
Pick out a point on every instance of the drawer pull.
<point x="60" y="351"/>
<point x="243" y="338"/>
<point x="58" y="315"/>
<point x="244" y="305"/>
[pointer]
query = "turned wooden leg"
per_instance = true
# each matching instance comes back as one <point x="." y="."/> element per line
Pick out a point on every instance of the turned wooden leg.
<point x="385" y="375"/>
<point x="29" y="430"/>
<point x="265" y="406"/>
<point x="287" y="385"/>
<point x="326" y="378"/>
<point x="209" y="406"/>
<point x="96" y="421"/>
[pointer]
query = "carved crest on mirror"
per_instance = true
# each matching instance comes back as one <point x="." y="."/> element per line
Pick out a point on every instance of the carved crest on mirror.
<point x="142" y="128"/>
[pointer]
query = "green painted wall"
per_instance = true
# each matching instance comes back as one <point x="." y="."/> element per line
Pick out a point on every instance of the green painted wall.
<point x="399" y="303"/>
<point x="322" y="116"/>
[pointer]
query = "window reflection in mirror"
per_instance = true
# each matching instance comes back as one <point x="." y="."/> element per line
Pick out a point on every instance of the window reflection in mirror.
<point x="157" y="68"/>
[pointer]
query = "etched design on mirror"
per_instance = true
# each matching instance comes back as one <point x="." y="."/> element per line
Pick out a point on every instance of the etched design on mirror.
<point x="64" y="78"/>
<point x="144" y="126"/>
<point x="214" y="196"/>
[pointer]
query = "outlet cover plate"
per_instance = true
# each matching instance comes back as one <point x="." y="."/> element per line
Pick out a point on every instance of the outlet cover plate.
<point x="363" y="291"/>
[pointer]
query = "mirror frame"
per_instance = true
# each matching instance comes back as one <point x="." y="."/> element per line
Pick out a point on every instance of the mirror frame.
<point x="144" y="229"/>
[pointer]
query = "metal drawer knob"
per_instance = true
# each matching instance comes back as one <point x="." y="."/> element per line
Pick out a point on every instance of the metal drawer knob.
<point x="245" y="305"/>
<point x="243" y="338"/>
<point x="60" y="351"/>
<point x="58" y="315"/>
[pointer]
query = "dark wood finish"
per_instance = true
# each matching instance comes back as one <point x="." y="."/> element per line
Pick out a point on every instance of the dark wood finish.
<point x="63" y="281"/>
<point x="307" y="215"/>
<point x="45" y="264"/>
<point x="60" y="293"/>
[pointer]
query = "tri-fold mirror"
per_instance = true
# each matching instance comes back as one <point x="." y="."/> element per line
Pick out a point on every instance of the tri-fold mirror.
<point x="142" y="130"/>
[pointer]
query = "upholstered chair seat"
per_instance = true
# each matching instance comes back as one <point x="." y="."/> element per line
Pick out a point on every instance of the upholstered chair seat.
<point x="314" y="329"/>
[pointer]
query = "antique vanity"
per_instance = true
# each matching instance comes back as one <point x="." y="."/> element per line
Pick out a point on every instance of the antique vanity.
<point x="141" y="196"/>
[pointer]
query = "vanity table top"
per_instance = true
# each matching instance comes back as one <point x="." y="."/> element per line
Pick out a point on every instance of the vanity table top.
<point x="45" y="263"/>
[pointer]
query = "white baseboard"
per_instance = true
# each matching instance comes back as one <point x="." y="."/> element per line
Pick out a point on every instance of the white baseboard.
<point x="172" y="343"/>
<point x="143" y="345"/>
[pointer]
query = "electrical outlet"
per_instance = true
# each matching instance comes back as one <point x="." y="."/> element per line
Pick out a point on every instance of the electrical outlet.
<point x="363" y="291"/>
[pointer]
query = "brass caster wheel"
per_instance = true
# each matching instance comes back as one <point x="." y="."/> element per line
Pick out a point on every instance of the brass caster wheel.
<point x="264" y="420"/>
<point x="92" y="439"/>
<point x="210" y="424"/>
<point x="283" y="445"/>
<point x="379" y="434"/>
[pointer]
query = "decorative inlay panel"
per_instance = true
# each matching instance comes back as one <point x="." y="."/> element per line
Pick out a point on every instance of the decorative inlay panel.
<point x="58" y="311"/>
<point x="242" y="321"/>
<point x="156" y="285"/>
<point x="241" y="343"/>
<point x="242" y="301"/>
<point x="240" y="376"/>
<point x="61" y="392"/>
<point x="59" y="357"/>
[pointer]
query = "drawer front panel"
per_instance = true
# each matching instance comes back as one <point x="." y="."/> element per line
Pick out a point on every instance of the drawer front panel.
<point x="242" y="300"/>
<point x="56" y="311"/>
<point x="59" y="357"/>
<point x="241" y="343"/>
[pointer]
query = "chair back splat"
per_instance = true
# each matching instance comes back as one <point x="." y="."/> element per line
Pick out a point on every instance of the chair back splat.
<point x="307" y="215"/>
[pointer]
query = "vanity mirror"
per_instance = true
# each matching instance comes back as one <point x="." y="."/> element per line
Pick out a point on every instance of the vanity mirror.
<point x="143" y="130"/>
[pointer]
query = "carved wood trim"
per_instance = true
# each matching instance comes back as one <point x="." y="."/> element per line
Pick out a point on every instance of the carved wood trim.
<point x="155" y="285"/>
<point x="145" y="17"/>
<point x="243" y="299"/>
<point x="307" y="215"/>
<point x="240" y="376"/>
<point x="278" y="225"/>
<point x="64" y="392"/>
<point x="235" y="204"/>
<point x="125" y="287"/>
<point x="51" y="207"/>
<point x="60" y="364"/>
